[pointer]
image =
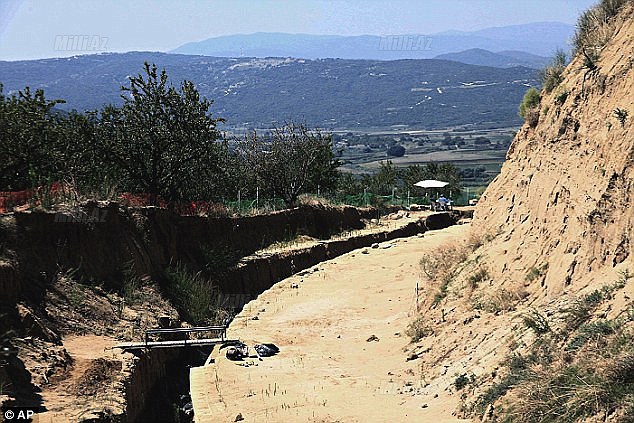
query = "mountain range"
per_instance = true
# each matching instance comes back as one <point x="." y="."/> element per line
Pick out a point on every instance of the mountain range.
<point x="330" y="93"/>
<point x="539" y="38"/>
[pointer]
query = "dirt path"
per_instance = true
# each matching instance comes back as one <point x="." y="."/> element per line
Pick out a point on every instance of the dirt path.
<point x="65" y="398"/>
<point x="327" y="370"/>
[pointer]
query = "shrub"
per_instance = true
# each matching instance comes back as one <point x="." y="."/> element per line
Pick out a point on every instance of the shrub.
<point x="440" y="267"/>
<point x="536" y="321"/>
<point x="529" y="107"/>
<point x="418" y="330"/>
<point x="196" y="298"/>
<point x="536" y="272"/>
<point x="480" y="275"/>
<point x="551" y="75"/>
<point x="561" y="96"/>
<point x="590" y="331"/>
<point x="498" y="301"/>
<point x="621" y="115"/>
<point x="463" y="380"/>
<point x="593" y="26"/>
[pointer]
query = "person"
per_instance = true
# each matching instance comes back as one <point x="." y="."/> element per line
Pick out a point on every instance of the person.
<point x="443" y="203"/>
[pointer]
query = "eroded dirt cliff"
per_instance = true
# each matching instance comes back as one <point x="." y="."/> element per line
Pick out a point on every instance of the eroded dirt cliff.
<point x="532" y="318"/>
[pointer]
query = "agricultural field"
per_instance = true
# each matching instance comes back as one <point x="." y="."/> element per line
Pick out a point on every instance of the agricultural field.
<point x="478" y="154"/>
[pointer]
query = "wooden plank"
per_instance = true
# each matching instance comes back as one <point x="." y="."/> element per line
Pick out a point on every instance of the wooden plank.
<point x="172" y="344"/>
<point x="193" y="329"/>
<point x="221" y="329"/>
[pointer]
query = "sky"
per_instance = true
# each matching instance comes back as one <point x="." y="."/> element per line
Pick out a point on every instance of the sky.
<point x="34" y="29"/>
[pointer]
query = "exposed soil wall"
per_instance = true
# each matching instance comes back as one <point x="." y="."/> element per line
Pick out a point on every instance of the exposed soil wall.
<point x="254" y="275"/>
<point x="101" y="242"/>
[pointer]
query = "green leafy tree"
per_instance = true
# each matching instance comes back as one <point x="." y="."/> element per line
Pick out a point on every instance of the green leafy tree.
<point x="294" y="160"/>
<point x="163" y="140"/>
<point x="29" y="140"/>
<point x="387" y="178"/>
<point x="413" y="174"/>
<point x="349" y="185"/>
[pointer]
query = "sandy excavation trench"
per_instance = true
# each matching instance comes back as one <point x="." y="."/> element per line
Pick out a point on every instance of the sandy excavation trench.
<point x="329" y="368"/>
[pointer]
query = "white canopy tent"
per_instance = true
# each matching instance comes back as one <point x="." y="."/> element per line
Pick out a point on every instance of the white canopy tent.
<point x="431" y="183"/>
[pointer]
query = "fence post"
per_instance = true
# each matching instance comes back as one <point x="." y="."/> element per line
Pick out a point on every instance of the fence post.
<point x="407" y="198"/>
<point x="257" y="197"/>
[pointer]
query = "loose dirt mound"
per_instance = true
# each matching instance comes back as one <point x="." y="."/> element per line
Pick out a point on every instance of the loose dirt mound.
<point x="97" y="377"/>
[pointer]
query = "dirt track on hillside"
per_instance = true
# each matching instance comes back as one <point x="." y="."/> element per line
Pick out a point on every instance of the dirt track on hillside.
<point x="327" y="369"/>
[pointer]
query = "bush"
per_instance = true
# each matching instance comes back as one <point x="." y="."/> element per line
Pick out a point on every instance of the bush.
<point x="536" y="272"/>
<point x="550" y="76"/>
<point x="529" y="107"/>
<point x="621" y="115"/>
<point x="196" y="298"/>
<point x="537" y="322"/>
<point x="593" y="26"/>
<point x="480" y="275"/>
<point x="396" y="151"/>
<point x="462" y="381"/>
<point x="418" y="330"/>
<point x="561" y="96"/>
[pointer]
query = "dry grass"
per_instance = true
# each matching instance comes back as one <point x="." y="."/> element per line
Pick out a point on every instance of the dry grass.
<point x="594" y="382"/>
<point x="594" y="26"/>
<point x="314" y="200"/>
<point x="441" y="266"/>
<point x="498" y="301"/>
<point x="574" y="367"/>
<point x="418" y="330"/>
<point x="446" y="263"/>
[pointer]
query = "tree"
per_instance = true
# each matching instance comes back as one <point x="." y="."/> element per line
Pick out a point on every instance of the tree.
<point x="293" y="161"/>
<point x="413" y="174"/>
<point x="396" y="151"/>
<point x="385" y="179"/>
<point x="163" y="140"/>
<point x="29" y="140"/>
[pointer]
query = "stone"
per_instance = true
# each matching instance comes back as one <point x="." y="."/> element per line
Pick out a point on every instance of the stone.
<point x="412" y="356"/>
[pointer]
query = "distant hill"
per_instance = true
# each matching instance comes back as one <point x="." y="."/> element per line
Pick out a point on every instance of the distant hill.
<point x="503" y="59"/>
<point x="331" y="93"/>
<point x="540" y="38"/>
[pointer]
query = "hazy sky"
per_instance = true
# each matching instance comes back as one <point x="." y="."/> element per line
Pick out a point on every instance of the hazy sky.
<point x="29" y="29"/>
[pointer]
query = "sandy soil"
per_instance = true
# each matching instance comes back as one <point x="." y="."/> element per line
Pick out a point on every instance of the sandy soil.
<point x="66" y="392"/>
<point x="328" y="370"/>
